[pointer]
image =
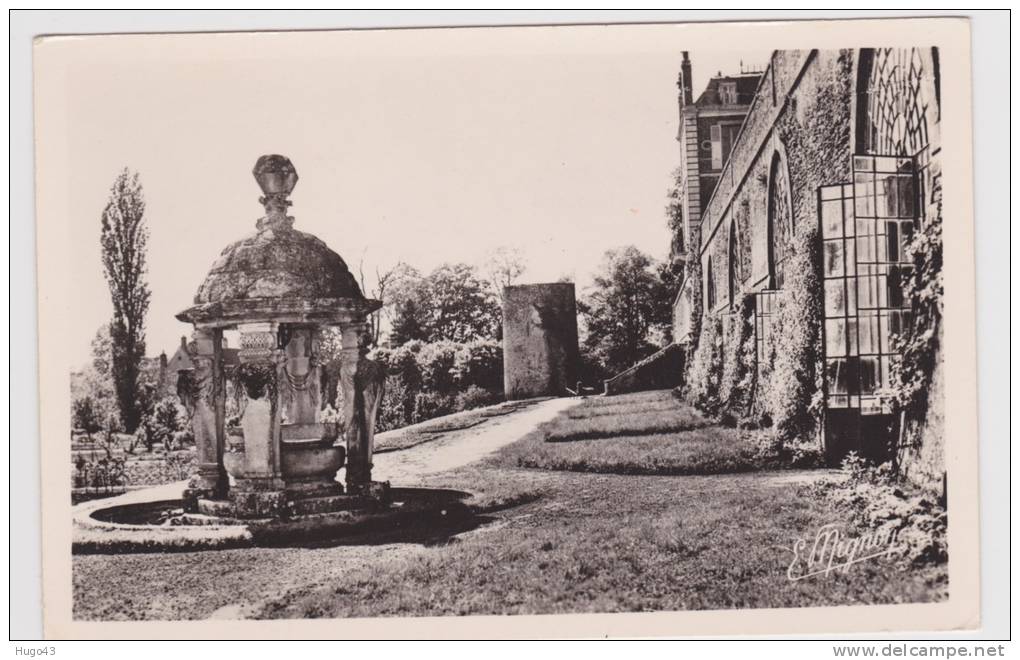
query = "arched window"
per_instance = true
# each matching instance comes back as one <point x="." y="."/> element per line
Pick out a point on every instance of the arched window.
<point x="896" y="100"/>
<point x="732" y="257"/>
<point x="780" y="221"/>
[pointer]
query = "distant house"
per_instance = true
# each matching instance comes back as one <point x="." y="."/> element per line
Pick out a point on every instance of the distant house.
<point x="708" y="131"/>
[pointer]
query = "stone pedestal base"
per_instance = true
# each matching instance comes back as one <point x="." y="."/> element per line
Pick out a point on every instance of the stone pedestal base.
<point x="206" y="484"/>
<point x="376" y="491"/>
<point x="259" y="498"/>
<point x="191" y="496"/>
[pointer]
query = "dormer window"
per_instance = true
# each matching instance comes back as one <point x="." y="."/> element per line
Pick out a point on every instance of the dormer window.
<point x="728" y="93"/>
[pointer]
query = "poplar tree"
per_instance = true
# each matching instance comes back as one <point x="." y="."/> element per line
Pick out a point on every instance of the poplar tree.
<point x="124" y="238"/>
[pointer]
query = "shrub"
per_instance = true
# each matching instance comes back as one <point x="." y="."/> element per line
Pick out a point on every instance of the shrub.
<point x="431" y="404"/>
<point x="476" y="397"/>
<point x="86" y="416"/>
<point x="166" y="422"/>
<point x="479" y="364"/>
<point x="878" y="500"/>
<point x="397" y="407"/>
<point x="435" y="362"/>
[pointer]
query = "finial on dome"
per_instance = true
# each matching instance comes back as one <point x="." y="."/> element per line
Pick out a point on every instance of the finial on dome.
<point x="276" y="177"/>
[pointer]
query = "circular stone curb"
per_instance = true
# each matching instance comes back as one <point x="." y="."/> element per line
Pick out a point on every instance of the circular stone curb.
<point x="92" y="535"/>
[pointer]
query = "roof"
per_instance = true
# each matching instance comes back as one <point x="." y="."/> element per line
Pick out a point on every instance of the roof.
<point x="278" y="262"/>
<point x="747" y="85"/>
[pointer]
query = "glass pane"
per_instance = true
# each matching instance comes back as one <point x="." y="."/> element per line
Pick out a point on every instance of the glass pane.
<point x="832" y="219"/>
<point x="868" y="375"/>
<point x="867" y="332"/>
<point x="848" y="216"/>
<point x="883" y="332"/>
<point x="894" y="288"/>
<point x="865" y="249"/>
<point x="836" y="376"/>
<point x="835" y="337"/>
<point x="906" y="197"/>
<point x="835" y="298"/>
<point x="851" y="333"/>
<point x="831" y="192"/>
<point x="892" y="241"/>
<point x="851" y="257"/>
<point x="866" y="296"/>
<point x="833" y="258"/>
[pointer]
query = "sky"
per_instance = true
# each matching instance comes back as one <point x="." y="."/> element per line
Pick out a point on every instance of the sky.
<point x="418" y="146"/>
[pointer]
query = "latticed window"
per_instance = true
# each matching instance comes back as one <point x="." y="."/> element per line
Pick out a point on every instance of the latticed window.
<point x="867" y="223"/>
<point x="895" y="107"/>
<point x="764" y="309"/>
<point x="865" y="228"/>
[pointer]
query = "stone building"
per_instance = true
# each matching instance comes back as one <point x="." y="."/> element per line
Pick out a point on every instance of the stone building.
<point x="708" y="130"/>
<point x="838" y="153"/>
<point x="540" y="353"/>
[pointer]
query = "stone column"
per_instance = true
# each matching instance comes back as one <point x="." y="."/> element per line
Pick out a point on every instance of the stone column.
<point x="201" y="390"/>
<point x="359" y="469"/>
<point x="363" y="381"/>
<point x="258" y="489"/>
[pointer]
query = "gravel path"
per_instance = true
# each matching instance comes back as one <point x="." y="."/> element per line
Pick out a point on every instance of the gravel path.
<point x="459" y="448"/>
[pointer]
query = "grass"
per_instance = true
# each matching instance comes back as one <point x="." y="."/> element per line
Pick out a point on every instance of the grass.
<point x="590" y="543"/>
<point x="649" y="433"/>
<point x="705" y="451"/>
<point x="541" y="542"/>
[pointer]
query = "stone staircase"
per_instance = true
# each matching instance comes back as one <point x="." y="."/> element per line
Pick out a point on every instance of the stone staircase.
<point x="659" y="371"/>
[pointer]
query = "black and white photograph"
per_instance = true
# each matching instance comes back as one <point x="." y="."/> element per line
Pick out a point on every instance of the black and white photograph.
<point x="371" y="325"/>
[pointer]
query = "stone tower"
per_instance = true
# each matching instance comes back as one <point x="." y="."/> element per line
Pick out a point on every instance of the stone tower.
<point x="540" y="355"/>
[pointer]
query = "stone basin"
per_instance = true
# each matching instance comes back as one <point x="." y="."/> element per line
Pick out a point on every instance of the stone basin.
<point x="299" y="459"/>
<point x="302" y="459"/>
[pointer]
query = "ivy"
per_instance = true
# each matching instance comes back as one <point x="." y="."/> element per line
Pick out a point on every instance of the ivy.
<point x="738" y="358"/>
<point x="791" y="381"/>
<point x="918" y="341"/>
<point x="705" y="367"/>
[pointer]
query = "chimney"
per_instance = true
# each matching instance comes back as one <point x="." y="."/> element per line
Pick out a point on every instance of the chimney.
<point x="686" y="95"/>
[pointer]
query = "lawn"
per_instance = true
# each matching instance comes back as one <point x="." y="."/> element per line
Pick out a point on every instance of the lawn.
<point x="608" y="525"/>
<point x="589" y="543"/>
<point x="647" y="433"/>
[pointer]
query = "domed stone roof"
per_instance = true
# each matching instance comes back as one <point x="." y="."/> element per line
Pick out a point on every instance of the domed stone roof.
<point x="278" y="262"/>
<point x="278" y="273"/>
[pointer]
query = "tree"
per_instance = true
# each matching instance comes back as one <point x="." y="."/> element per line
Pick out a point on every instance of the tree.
<point x="459" y="306"/>
<point x="166" y="422"/>
<point x="408" y="323"/>
<point x="504" y="266"/>
<point x="86" y="417"/>
<point x="624" y="309"/>
<point x="95" y="380"/>
<point x="383" y="281"/>
<point x="675" y="216"/>
<point x="124" y="237"/>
